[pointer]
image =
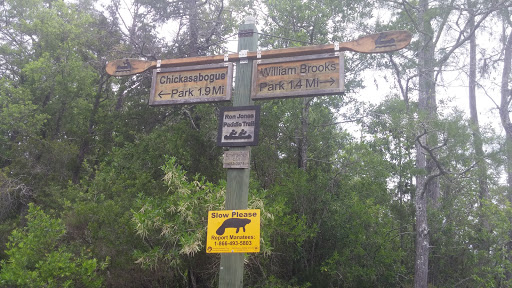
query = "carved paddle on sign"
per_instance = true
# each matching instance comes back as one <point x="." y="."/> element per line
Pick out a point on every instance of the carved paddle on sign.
<point x="388" y="41"/>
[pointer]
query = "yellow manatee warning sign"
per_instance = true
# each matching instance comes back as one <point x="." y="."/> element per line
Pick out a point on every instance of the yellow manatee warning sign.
<point x="233" y="231"/>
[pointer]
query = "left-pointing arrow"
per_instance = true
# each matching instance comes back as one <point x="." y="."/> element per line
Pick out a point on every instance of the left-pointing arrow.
<point x="162" y="93"/>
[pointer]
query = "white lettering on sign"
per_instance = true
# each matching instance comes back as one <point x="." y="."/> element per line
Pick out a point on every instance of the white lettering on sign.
<point x="235" y="129"/>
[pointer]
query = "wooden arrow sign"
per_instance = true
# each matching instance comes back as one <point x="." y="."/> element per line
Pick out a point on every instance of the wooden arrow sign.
<point x="388" y="41"/>
<point x="192" y="84"/>
<point x="300" y="76"/>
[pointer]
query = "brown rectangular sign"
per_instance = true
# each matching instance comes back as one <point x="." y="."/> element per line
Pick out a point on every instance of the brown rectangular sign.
<point x="192" y="84"/>
<point x="298" y="76"/>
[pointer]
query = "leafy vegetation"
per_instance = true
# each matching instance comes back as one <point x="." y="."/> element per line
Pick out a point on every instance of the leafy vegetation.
<point x="38" y="257"/>
<point x="97" y="189"/>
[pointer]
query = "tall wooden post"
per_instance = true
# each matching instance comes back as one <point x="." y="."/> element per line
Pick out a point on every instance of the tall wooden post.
<point x="237" y="189"/>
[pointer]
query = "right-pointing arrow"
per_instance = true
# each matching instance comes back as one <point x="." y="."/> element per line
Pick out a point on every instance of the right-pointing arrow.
<point x="332" y="81"/>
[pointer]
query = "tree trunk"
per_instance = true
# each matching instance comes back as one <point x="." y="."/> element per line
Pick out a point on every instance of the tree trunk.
<point x="483" y="186"/>
<point x="505" y="90"/>
<point x="477" y="137"/>
<point x="86" y="142"/>
<point x="507" y="126"/>
<point x="303" y="140"/>
<point x="508" y="147"/>
<point x="427" y="109"/>
<point x="422" y="238"/>
<point x="193" y="29"/>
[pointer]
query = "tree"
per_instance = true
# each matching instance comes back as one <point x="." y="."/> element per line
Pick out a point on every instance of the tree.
<point x="432" y="23"/>
<point x="313" y="23"/>
<point x="504" y="111"/>
<point x="51" y="49"/>
<point x="477" y="138"/>
<point x="39" y="257"/>
<point x="99" y="210"/>
<point x="173" y="224"/>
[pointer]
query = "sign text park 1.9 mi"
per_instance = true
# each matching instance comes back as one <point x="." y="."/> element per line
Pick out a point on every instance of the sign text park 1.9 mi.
<point x="192" y="84"/>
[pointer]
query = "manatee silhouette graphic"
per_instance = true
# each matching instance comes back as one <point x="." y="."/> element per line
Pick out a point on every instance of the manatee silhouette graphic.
<point x="233" y="223"/>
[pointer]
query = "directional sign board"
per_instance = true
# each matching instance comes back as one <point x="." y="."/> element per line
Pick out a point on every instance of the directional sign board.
<point x="298" y="76"/>
<point x="238" y="126"/>
<point x="192" y="84"/>
<point x="233" y="231"/>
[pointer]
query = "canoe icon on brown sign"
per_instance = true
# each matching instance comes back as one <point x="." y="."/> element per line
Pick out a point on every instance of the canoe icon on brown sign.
<point x="241" y="135"/>
<point x="126" y="67"/>
<point x="380" y="42"/>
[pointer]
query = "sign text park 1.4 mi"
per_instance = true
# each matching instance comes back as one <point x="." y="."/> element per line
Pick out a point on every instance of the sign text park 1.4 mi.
<point x="298" y="76"/>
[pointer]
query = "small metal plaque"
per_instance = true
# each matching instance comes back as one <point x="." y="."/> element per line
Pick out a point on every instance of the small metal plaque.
<point x="236" y="159"/>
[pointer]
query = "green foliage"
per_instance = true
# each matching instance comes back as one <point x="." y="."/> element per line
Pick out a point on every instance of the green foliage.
<point x="175" y="223"/>
<point x="273" y="282"/>
<point x="204" y="25"/>
<point x="49" y="92"/>
<point x="38" y="257"/>
<point x="313" y="22"/>
<point x="334" y="229"/>
<point x="345" y="220"/>
<point x="460" y="241"/>
<point x="99" y="209"/>
<point x="367" y="253"/>
<point x="20" y="117"/>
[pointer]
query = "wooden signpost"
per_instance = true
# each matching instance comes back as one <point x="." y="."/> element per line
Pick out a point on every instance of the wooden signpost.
<point x="290" y="72"/>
